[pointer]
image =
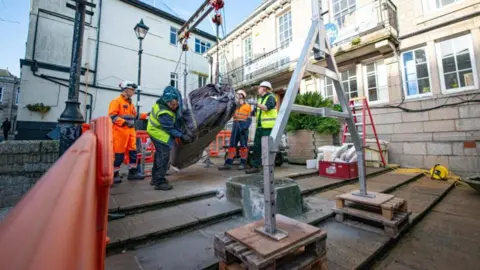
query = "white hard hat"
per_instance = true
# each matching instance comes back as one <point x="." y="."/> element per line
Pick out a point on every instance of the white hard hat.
<point x="127" y="84"/>
<point x="266" y="84"/>
<point x="241" y="92"/>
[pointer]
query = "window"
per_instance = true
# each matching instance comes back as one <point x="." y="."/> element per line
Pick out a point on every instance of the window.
<point x="17" y="96"/>
<point x="202" y="81"/>
<point x="1" y="94"/>
<point x="174" y="80"/>
<point x="201" y="46"/>
<point x="429" y="5"/>
<point x="223" y="63"/>
<point x="328" y="88"/>
<point x="285" y="29"/>
<point x="173" y="35"/>
<point x="247" y="50"/>
<point x="376" y="82"/>
<point x="349" y="81"/>
<point x="341" y="9"/>
<point x="416" y="77"/>
<point x="457" y="64"/>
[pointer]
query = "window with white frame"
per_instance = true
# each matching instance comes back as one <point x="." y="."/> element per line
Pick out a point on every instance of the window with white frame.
<point x="247" y="50"/>
<point x="328" y="88"/>
<point x="457" y="63"/>
<point x="223" y="63"/>
<point x="201" y="46"/>
<point x="341" y="9"/>
<point x="174" y="80"/>
<point x="285" y="29"/>
<point x="416" y="75"/>
<point x="349" y="81"/>
<point x="1" y="94"/>
<point x="17" y="96"/>
<point x="173" y="35"/>
<point x="376" y="82"/>
<point x="202" y="81"/>
<point x="429" y="5"/>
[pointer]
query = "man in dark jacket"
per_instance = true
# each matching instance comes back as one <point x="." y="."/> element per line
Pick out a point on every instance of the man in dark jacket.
<point x="163" y="133"/>
<point x="6" y="126"/>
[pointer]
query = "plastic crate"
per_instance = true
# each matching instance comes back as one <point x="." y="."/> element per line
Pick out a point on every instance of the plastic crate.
<point x="338" y="170"/>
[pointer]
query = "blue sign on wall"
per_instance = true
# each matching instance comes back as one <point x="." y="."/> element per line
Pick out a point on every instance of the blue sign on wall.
<point x="331" y="30"/>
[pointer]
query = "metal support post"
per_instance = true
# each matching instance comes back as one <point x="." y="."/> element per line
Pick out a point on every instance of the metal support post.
<point x="268" y="161"/>
<point x="139" y="78"/>
<point x="71" y="119"/>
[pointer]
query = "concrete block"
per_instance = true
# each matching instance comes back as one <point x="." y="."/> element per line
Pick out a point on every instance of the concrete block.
<point x="388" y="118"/>
<point x="449" y="136"/>
<point x="469" y="111"/>
<point x="20" y="147"/>
<point x="430" y="161"/>
<point x="457" y="148"/>
<point x="384" y="137"/>
<point x="467" y="124"/>
<point x="439" y="148"/>
<point x="414" y="127"/>
<point x="439" y="126"/>
<point x="414" y="117"/>
<point x="381" y="129"/>
<point x="411" y="161"/>
<point x="395" y="148"/>
<point x="464" y="164"/>
<point x="412" y="137"/>
<point x="414" y="148"/>
<point x="473" y="136"/>
<point x="443" y="113"/>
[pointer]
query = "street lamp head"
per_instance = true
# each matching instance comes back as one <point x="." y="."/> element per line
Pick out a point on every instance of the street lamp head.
<point x="141" y="30"/>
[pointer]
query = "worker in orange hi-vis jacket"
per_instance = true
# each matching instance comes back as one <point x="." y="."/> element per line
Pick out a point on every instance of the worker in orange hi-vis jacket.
<point x="241" y="123"/>
<point x="123" y="114"/>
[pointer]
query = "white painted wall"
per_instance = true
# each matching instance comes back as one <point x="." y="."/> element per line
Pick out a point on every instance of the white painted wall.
<point x="118" y="57"/>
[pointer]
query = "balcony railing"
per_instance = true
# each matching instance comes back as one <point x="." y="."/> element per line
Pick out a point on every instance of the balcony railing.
<point x="260" y="67"/>
<point x="365" y="19"/>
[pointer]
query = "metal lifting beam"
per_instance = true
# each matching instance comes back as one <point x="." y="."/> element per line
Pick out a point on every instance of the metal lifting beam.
<point x="196" y="18"/>
<point x="315" y="44"/>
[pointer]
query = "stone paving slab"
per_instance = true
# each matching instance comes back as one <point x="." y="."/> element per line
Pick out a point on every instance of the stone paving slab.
<point x="169" y="219"/>
<point x="448" y="238"/>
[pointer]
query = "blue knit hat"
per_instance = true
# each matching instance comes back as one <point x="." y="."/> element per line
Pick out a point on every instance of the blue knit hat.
<point x="169" y="94"/>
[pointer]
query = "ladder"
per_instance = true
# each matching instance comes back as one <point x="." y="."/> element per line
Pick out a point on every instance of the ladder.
<point x="316" y="43"/>
<point x="362" y="114"/>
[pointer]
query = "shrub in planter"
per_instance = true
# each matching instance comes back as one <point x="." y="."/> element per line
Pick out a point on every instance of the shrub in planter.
<point x="308" y="132"/>
<point x="39" y="108"/>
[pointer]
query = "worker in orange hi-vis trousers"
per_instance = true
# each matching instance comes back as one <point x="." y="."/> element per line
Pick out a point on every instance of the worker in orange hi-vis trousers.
<point x="241" y="123"/>
<point x="123" y="114"/>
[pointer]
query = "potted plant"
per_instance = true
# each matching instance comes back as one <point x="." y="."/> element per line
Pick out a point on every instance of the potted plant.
<point x="305" y="133"/>
<point x="39" y="108"/>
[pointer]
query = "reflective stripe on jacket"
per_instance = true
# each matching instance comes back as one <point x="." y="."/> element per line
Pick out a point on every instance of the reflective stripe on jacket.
<point x="269" y="117"/>
<point x="154" y="127"/>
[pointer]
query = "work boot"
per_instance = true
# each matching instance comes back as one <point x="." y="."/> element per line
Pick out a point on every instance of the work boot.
<point x="241" y="167"/>
<point x="134" y="174"/>
<point x="163" y="186"/>
<point x="116" y="178"/>
<point x="225" y="167"/>
<point x="252" y="171"/>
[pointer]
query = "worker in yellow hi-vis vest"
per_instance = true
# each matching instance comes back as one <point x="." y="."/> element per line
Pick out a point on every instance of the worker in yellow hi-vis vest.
<point x="266" y="115"/>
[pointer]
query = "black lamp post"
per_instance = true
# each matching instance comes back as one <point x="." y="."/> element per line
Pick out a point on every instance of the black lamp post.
<point x="141" y="31"/>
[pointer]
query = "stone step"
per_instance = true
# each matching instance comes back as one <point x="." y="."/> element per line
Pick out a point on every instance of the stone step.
<point x="133" y="230"/>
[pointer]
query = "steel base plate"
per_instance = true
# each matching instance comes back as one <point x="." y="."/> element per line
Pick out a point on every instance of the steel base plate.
<point x="278" y="235"/>
<point x="366" y="195"/>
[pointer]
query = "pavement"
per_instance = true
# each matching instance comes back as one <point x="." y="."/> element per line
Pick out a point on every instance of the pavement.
<point x="448" y="238"/>
<point x="348" y="247"/>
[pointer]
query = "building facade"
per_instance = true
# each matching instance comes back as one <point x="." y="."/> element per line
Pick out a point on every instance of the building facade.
<point x="415" y="61"/>
<point x="110" y="55"/>
<point x="9" y="97"/>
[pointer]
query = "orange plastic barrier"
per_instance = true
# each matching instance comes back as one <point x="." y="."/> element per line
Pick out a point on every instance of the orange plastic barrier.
<point x="221" y="140"/>
<point x="61" y="223"/>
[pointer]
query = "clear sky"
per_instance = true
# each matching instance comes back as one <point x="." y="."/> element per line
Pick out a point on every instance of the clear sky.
<point x="14" y="16"/>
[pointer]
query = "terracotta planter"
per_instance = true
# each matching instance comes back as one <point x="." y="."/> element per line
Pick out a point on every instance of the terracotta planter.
<point x="303" y="144"/>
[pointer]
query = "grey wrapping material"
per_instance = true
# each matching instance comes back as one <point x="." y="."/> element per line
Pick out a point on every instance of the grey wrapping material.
<point x="209" y="110"/>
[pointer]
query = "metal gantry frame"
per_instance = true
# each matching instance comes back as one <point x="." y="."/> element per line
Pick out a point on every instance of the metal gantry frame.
<point x="316" y="41"/>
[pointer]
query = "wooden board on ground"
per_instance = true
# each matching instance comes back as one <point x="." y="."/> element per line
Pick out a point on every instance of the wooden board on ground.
<point x="379" y="198"/>
<point x="265" y="246"/>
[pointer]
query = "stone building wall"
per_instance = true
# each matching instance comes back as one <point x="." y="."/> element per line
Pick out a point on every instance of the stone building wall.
<point x="22" y="163"/>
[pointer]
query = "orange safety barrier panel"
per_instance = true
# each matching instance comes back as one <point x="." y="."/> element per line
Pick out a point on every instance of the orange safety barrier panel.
<point x="221" y="140"/>
<point x="61" y="223"/>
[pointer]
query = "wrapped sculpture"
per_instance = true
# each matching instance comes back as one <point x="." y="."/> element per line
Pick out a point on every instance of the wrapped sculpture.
<point x="205" y="113"/>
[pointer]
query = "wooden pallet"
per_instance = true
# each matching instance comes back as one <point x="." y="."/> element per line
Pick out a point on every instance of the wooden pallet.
<point x="384" y="209"/>
<point x="304" y="248"/>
